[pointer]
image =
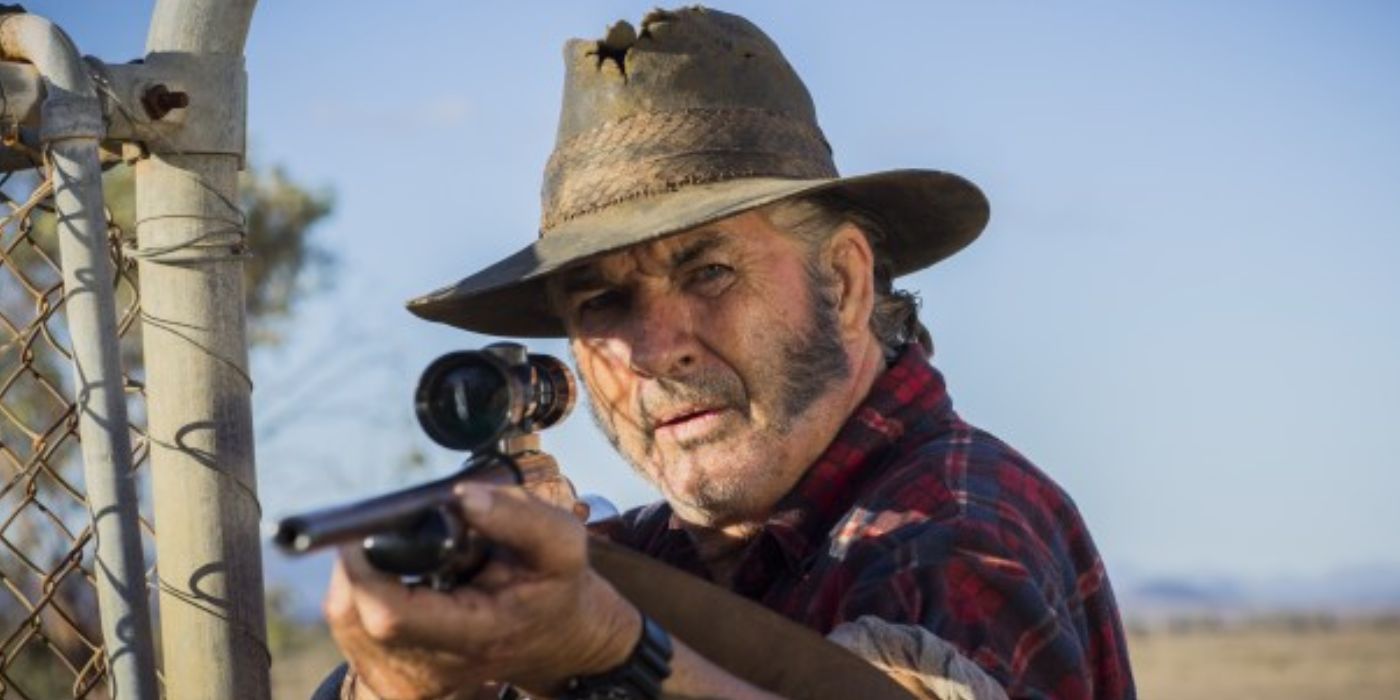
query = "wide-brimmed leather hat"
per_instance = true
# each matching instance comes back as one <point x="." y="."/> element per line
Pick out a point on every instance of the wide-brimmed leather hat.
<point x="694" y="118"/>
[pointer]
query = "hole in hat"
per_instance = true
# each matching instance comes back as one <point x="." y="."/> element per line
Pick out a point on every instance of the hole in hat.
<point x="613" y="47"/>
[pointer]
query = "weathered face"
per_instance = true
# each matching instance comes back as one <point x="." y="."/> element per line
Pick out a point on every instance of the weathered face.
<point x="709" y="358"/>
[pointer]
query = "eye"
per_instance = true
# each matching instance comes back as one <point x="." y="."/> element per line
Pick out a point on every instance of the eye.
<point x="602" y="301"/>
<point x="712" y="278"/>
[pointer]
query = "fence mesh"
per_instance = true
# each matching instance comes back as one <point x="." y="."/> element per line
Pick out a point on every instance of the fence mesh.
<point x="50" y="645"/>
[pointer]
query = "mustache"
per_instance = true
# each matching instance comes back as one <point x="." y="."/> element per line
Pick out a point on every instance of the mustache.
<point x="663" y="397"/>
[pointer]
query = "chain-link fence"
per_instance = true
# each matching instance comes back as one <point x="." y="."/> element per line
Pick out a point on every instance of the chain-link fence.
<point x="75" y="600"/>
<point x="50" y="644"/>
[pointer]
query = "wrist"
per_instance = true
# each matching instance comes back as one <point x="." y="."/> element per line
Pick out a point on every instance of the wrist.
<point x="639" y="677"/>
<point x="615" y="632"/>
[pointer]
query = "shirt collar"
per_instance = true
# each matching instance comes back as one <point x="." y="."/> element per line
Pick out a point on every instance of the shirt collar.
<point x="910" y="397"/>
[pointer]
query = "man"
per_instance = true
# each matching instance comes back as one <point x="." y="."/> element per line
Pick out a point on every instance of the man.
<point x="728" y="301"/>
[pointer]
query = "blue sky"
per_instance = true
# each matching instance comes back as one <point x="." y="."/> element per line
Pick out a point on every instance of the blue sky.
<point x="1185" y="308"/>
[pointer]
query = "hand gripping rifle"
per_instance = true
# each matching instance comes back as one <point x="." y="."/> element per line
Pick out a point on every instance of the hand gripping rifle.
<point x="490" y="403"/>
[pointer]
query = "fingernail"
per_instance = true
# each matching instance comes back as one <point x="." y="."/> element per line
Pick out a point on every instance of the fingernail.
<point x="476" y="499"/>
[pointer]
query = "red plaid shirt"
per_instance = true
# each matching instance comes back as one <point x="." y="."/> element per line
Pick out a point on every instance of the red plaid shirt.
<point x="916" y="517"/>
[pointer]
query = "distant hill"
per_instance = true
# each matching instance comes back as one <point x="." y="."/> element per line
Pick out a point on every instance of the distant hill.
<point x="1349" y="591"/>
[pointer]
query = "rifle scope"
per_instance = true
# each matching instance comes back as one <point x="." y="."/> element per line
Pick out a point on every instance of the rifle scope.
<point x="472" y="400"/>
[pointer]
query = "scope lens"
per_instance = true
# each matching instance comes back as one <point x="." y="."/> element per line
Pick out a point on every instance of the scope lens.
<point x="465" y="406"/>
<point x="554" y="391"/>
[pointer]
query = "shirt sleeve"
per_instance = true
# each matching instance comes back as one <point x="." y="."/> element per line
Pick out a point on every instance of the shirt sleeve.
<point x="925" y="665"/>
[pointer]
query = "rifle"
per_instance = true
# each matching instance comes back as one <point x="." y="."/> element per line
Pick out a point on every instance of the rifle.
<point x="491" y="403"/>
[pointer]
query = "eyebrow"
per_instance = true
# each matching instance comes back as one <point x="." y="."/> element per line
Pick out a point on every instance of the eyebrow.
<point x="587" y="278"/>
<point x="708" y="241"/>
<point x="581" y="280"/>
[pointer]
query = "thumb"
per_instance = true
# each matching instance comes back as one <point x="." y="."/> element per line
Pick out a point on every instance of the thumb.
<point x="543" y="536"/>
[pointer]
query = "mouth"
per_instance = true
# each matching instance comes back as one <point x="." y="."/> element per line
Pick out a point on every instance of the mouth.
<point x="689" y="424"/>
<point x="685" y="416"/>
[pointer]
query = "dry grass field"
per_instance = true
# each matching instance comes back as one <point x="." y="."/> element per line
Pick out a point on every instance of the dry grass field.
<point x="1283" y="659"/>
<point x="300" y="660"/>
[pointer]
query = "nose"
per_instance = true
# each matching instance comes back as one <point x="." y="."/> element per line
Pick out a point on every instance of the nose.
<point x="661" y="337"/>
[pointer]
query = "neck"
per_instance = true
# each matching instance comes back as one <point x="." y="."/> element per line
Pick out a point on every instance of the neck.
<point x="867" y="364"/>
<point x="721" y="548"/>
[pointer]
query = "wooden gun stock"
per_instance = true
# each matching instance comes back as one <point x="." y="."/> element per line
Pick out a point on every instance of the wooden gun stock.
<point x="739" y="635"/>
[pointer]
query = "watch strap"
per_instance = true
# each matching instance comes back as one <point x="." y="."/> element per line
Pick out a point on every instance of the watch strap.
<point x="638" y="678"/>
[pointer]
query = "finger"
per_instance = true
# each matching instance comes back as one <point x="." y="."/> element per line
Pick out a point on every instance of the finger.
<point x="541" y="477"/>
<point x="384" y="608"/>
<point x="500" y="571"/>
<point x="387" y="612"/>
<point x="537" y="467"/>
<point x="339" y="604"/>
<point x="344" y="621"/>
<point x="362" y="575"/>
<point x="582" y="510"/>
<point x="545" y="538"/>
<point x="385" y="629"/>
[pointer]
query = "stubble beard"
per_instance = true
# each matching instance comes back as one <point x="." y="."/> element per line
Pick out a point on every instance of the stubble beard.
<point x="808" y="363"/>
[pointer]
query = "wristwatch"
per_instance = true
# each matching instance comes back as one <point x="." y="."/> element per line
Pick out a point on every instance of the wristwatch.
<point x="638" y="678"/>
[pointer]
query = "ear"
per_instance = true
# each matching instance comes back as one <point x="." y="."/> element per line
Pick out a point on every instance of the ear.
<point x="852" y="263"/>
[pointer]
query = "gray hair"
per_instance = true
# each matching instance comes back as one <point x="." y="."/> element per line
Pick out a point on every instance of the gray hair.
<point x="814" y="219"/>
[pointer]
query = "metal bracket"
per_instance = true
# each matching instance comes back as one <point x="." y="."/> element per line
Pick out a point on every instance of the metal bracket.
<point x="177" y="102"/>
<point x="169" y="103"/>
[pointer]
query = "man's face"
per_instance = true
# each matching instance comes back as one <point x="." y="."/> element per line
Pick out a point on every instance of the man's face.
<point x="709" y="357"/>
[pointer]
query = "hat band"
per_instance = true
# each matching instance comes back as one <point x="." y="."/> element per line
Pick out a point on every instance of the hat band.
<point x="651" y="153"/>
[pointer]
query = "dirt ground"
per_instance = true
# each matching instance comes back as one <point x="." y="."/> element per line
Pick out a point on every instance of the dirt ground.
<point x="1273" y="659"/>
<point x="1276" y="659"/>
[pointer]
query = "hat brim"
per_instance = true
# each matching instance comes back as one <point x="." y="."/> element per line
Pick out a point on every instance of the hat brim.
<point x="928" y="216"/>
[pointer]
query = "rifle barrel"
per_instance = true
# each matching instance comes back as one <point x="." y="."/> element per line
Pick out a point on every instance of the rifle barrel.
<point x="307" y="532"/>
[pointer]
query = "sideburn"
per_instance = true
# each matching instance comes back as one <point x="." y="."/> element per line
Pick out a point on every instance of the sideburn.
<point x="814" y="359"/>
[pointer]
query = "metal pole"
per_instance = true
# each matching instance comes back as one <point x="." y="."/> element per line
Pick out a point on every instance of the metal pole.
<point x="206" y="507"/>
<point x="71" y="125"/>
